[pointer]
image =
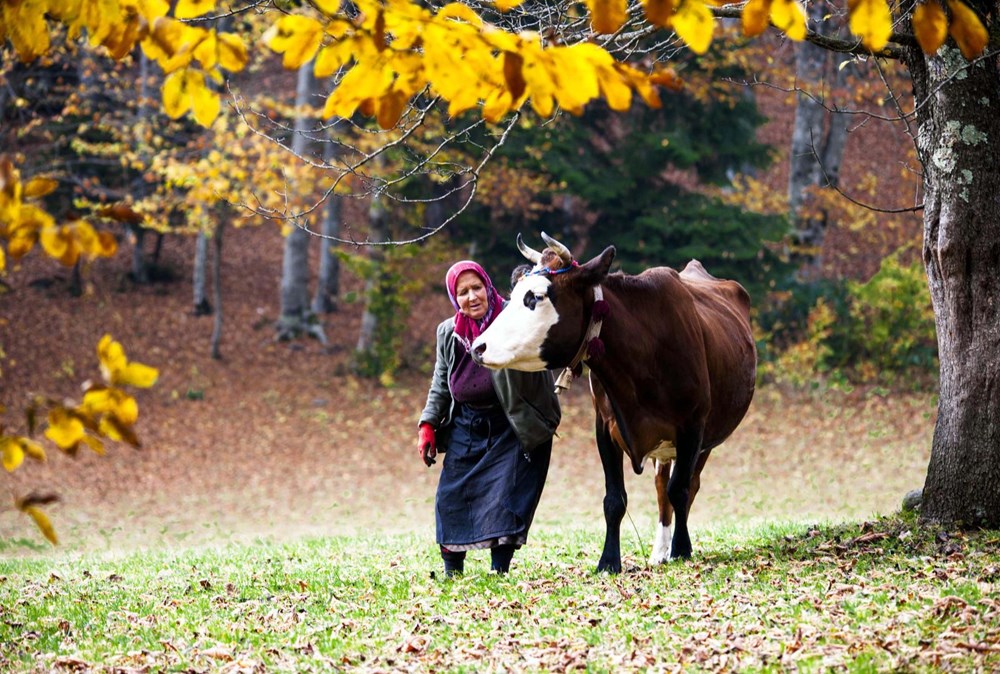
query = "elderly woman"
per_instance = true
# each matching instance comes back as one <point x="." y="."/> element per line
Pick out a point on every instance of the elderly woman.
<point x="494" y="428"/>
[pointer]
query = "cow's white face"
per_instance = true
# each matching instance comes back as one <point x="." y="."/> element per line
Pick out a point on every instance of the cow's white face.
<point x="514" y="340"/>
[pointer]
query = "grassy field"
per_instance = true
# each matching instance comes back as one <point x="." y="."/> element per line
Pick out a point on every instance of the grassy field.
<point x="886" y="595"/>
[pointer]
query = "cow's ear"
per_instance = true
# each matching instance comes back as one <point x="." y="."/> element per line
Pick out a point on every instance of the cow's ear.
<point x="593" y="272"/>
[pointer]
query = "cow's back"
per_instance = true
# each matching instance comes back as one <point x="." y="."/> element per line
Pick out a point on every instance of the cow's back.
<point x="724" y="309"/>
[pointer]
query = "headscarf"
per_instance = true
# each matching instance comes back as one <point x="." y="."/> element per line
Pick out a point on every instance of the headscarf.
<point x="467" y="329"/>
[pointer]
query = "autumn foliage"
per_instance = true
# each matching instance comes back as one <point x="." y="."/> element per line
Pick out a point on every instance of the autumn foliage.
<point x="391" y="51"/>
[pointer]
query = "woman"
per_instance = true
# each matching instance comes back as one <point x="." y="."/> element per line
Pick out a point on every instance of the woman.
<point x="494" y="427"/>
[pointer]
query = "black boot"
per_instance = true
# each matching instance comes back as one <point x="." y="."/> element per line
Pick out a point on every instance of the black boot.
<point x="500" y="558"/>
<point x="454" y="562"/>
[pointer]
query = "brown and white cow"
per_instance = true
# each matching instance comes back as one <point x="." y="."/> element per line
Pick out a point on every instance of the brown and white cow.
<point x="672" y="370"/>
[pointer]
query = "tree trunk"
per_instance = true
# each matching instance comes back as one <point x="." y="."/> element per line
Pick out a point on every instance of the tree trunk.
<point x="328" y="283"/>
<point x="958" y="128"/>
<point x="296" y="317"/>
<point x="140" y="271"/>
<point x="202" y="307"/>
<point x="369" y="321"/>
<point x="217" y="287"/>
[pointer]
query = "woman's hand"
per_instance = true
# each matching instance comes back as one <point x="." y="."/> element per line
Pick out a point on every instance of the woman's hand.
<point x="426" y="445"/>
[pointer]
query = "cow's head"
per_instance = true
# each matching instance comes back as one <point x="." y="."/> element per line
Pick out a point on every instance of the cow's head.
<point x="548" y="314"/>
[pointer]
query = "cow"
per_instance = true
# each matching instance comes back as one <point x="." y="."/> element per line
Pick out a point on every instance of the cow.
<point x="672" y="364"/>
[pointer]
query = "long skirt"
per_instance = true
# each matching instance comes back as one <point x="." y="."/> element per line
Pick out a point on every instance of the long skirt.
<point x="488" y="490"/>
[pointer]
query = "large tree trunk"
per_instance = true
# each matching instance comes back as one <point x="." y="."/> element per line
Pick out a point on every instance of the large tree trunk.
<point x="202" y="307"/>
<point x="296" y="315"/>
<point x="328" y="283"/>
<point x="369" y="320"/>
<point x="959" y="127"/>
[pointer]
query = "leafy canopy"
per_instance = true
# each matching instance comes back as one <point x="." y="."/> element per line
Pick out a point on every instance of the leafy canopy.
<point x="392" y="50"/>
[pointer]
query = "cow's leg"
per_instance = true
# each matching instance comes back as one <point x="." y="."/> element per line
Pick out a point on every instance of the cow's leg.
<point x="679" y="487"/>
<point x="615" y="499"/>
<point x="661" y="540"/>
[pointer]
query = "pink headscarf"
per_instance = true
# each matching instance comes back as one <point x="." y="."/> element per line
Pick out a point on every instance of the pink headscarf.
<point x="466" y="328"/>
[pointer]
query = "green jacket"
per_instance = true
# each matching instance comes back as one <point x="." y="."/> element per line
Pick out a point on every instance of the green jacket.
<point x="528" y="398"/>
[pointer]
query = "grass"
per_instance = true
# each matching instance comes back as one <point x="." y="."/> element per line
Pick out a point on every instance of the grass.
<point x="886" y="595"/>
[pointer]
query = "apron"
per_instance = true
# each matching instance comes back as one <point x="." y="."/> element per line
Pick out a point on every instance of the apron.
<point x="488" y="490"/>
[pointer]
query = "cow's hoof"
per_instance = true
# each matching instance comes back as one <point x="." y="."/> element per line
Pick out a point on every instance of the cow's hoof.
<point x="609" y="567"/>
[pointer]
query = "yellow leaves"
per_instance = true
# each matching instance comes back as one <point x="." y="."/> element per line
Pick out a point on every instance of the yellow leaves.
<point x="607" y="16"/>
<point x="39" y="187"/>
<point x="756" y="17"/>
<point x="297" y="37"/>
<point x="13" y="449"/>
<point x="507" y="5"/>
<point x="232" y="52"/>
<point x="117" y="370"/>
<point x="871" y="21"/>
<point x="967" y="30"/>
<point x="693" y="22"/>
<point x="189" y="9"/>
<point x="786" y="15"/>
<point x="65" y="430"/>
<point x="930" y="25"/>
<point x="66" y="243"/>
<point x="789" y="17"/>
<point x="185" y="90"/>
<point x="41" y="521"/>
<point x="25" y="27"/>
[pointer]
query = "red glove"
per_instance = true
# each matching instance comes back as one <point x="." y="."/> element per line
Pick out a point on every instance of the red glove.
<point x="426" y="445"/>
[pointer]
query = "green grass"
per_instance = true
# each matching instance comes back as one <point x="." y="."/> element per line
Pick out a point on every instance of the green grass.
<point x="884" y="596"/>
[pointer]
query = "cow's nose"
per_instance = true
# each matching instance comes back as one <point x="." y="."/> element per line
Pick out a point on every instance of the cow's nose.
<point x="477" y="353"/>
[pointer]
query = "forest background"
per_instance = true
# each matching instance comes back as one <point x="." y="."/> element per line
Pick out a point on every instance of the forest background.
<point x="292" y="408"/>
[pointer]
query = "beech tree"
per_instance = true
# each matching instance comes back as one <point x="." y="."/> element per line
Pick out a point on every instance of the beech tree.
<point x="395" y="60"/>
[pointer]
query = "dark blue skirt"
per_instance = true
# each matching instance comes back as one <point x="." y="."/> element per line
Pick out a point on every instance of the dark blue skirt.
<point x="488" y="489"/>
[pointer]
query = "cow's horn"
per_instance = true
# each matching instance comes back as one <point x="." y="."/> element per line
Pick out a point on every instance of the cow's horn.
<point x="533" y="255"/>
<point x="559" y="249"/>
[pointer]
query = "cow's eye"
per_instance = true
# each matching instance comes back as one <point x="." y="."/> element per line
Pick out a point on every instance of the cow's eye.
<point x="530" y="300"/>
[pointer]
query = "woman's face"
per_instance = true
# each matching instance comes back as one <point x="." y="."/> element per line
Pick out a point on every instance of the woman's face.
<point x="470" y="292"/>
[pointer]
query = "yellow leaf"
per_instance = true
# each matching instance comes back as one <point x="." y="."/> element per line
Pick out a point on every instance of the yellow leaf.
<point x="11" y="453"/>
<point x="138" y="375"/>
<point x="756" y="17"/>
<point x="205" y="102"/>
<point x="871" y="21"/>
<point x="176" y="100"/>
<point x="332" y="57"/>
<point x="169" y="43"/>
<point x="189" y="9"/>
<point x="930" y="25"/>
<point x="507" y="5"/>
<point x="693" y="23"/>
<point x="659" y="12"/>
<point x="26" y="29"/>
<point x="60" y="244"/>
<point x="967" y="30"/>
<point x="496" y="105"/>
<point x="207" y="51"/>
<point x="95" y="445"/>
<point x="65" y="430"/>
<point x="111" y="356"/>
<point x="106" y="245"/>
<point x="232" y="52"/>
<point x="3" y="262"/>
<point x="39" y="187"/>
<point x="297" y="37"/>
<point x="607" y="16"/>
<point x="789" y="17"/>
<point x="42" y="522"/>
<point x="328" y="7"/>
<point x="32" y="449"/>
<point x="616" y="92"/>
